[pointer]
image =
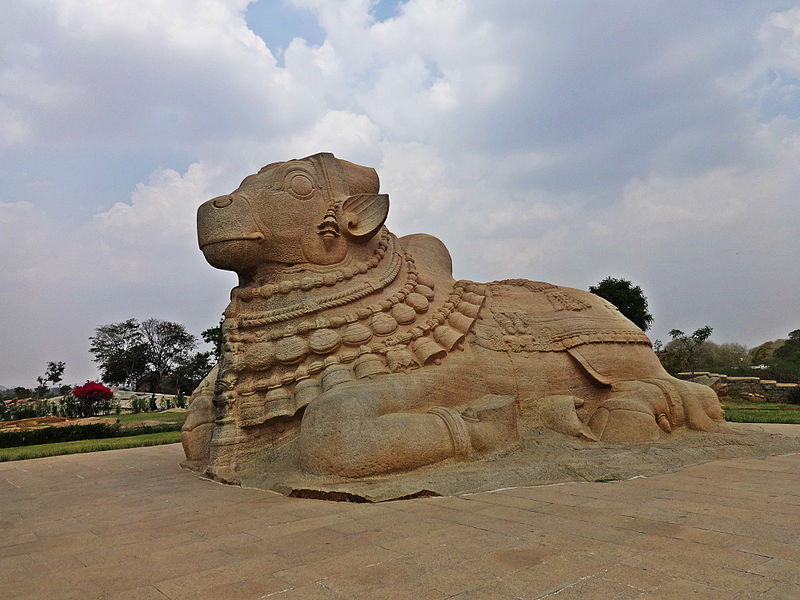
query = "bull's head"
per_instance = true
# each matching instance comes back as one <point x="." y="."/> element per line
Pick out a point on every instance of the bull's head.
<point x="310" y="210"/>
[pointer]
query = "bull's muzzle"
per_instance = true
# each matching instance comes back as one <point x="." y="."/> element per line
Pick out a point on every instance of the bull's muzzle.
<point x="227" y="232"/>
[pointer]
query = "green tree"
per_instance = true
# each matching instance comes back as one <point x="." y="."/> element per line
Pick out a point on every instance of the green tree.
<point x="790" y="347"/>
<point x="129" y="350"/>
<point x="213" y="335"/>
<point x="629" y="299"/>
<point x="120" y="351"/>
<point x="41" y="388"/>
<point x="54" y="373"/>
<point x="732" y="355"/>
<point x="168" y="345"/>
<point x="786" y="358"/>
<point x="22" y="392"/>
<point x="190" y="373"/>
<point x="686" y="346"/>
<point x="721" y="357"/>
<point x="762" y="354"/>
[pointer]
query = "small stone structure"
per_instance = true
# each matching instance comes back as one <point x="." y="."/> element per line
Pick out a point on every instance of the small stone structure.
<point x="350" y="354"/>
<point x="771" y="390"/>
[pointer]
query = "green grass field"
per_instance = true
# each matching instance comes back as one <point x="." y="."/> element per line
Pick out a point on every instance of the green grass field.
<point x="134" y="441"/>
<point x="93" y="445"/>
<point x="739" y="410"/>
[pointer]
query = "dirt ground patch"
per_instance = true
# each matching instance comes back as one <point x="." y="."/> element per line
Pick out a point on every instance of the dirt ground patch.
<point x="39" y="422"/>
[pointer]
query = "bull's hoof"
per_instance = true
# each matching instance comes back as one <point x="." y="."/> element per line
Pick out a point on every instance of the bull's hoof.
<point x="558" y="414"/>
<point x="701" y="407"/>
<point x="492" y="423"/>
<point x="627" y="421"/>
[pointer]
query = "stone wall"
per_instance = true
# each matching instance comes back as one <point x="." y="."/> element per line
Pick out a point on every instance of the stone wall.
<point x="770" y="389"/>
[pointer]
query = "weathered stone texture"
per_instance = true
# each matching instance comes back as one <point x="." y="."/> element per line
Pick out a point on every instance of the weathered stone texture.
<point x="351" y="354"/>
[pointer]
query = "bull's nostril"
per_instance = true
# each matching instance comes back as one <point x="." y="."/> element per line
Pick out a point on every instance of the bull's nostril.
<point x="223" y="202"/>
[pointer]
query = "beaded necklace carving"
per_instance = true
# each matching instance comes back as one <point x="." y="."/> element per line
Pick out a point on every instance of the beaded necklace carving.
<point x="278" y="360"/>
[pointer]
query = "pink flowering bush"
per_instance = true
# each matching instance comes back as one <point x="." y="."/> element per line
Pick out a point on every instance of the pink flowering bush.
<point x="23" y="408"/>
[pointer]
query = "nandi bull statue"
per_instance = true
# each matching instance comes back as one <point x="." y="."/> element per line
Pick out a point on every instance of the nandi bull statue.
<point x="350" y="354"/>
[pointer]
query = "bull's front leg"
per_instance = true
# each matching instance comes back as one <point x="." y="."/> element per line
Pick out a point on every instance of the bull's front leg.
<point x="638" y="411"/>
<point x="366" y="428"/>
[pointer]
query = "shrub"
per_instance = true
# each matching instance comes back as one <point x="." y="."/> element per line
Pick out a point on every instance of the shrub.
<point x="69" y="433"/>
<point x="23" y="408"/>
<point x="70" y="406"/>
<point x="93" y="397"/>
<point x="794" y="396"/>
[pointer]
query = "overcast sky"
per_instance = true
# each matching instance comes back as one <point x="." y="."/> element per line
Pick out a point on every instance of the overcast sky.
<point x="559" y="141"/>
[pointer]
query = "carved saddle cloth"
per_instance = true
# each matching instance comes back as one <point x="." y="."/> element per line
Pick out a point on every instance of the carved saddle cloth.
<point x="533" y="316"/>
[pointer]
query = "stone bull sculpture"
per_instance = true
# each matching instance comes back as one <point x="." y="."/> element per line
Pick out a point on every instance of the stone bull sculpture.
<point x="350" y="353"/>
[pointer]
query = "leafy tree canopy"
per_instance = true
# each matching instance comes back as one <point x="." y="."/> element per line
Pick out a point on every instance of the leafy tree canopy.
<point x="120" y="351"/>
<point x="17" y="392"/>
<point x="786" y="358"/>
<point x="683" y="351"/>
<point x="168" y="344"/>
<point x="776" y="359"/>
<point x="629" y="299"/>
<point x="790" y="347"/>
<point x="213" y="335"/>
<point x="762" y="354"/>
<point x="190" y="373"/>
<point x="53" y="374"/>
<point x="128" y="350"/>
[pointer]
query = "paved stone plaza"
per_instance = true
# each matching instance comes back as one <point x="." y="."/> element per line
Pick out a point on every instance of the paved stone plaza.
<point x="130" y="524"/>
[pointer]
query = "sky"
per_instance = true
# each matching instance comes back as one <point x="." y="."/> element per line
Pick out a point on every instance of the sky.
<point x="558" y="141"/>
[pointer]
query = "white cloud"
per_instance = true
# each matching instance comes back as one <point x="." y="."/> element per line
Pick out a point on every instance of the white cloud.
<point x="344" y="133"/>
<point x="780" y="35"/>
<point x="552" y="141"/>
<point x="135" y="72"/>
<point x="163" y="208"/>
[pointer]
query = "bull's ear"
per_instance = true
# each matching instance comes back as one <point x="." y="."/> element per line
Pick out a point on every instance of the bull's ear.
<point x="363" y="214"/>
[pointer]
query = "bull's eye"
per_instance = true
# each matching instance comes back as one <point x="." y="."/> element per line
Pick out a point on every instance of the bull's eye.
<point x="301" y="186"/>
